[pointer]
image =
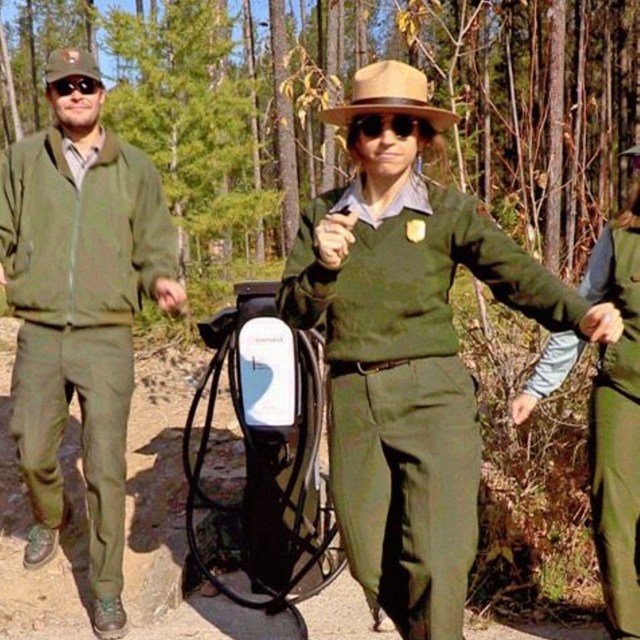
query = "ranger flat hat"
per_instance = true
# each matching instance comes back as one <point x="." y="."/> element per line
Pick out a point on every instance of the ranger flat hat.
<point x="632" y="151"/>
<point x="71" y="62"/>
<point x="390" y="86"/>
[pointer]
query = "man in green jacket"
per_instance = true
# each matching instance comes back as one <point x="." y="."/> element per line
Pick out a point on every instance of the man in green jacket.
<point x="84" y="232"/>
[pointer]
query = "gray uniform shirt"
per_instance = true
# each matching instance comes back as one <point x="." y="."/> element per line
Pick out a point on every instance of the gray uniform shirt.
<point x="564" y="348"/>
<point x="79" y="164"/>
<point x="413" y="195"/>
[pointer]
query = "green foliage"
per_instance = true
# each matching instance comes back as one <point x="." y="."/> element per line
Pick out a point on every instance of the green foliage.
<point x="175" y="99"/>
<point x="211" y="286"/>
<point x="506" y="210"/>
<point x="55" y="24"/>
<point x="236" y="211"/>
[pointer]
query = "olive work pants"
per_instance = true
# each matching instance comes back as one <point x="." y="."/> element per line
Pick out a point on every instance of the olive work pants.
<point x="615" y="449"/>
<point x="96" y="362"/>
<point x="405" y="470"/>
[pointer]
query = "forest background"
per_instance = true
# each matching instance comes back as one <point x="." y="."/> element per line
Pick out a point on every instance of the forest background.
<point x="225" y="96"/>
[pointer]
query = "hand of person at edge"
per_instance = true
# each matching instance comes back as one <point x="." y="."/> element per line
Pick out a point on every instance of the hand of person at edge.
<point x="332" y="238"/>
<point x="602" y="323"/>
<point x="170" y="295"/>
<point x="3" y="277"/>
<point x="521" y="407"/>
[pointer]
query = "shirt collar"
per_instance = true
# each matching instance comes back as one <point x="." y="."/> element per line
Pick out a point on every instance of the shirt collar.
<point x="413" y="195"/>
<point x="67" y="143"/>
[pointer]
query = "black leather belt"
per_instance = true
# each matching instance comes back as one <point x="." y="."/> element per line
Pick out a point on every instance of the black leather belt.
<point x="343" y="367"/>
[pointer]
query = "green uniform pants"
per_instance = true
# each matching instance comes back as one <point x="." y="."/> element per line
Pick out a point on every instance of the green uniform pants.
<point x="98" y="363"/>
<point x="616" y="505"/>
<point x="405" y="471"/>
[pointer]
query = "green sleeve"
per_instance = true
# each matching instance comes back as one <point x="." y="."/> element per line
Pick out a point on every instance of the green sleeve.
<point x="8" y="233"/>
<point x="154" y="235"/>
<point x="515" y="278"/>
<point x="307" y="287"/>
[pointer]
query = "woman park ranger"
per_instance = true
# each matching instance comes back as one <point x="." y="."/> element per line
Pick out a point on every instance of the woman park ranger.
<point x="375" y="262"/>
<point x="613" y="273"/>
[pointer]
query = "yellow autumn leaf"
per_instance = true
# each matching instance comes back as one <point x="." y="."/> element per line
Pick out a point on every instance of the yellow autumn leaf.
<point x="307" y="80"/>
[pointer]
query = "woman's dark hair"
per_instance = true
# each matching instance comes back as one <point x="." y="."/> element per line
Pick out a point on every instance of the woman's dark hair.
<point x="629" y="216"/>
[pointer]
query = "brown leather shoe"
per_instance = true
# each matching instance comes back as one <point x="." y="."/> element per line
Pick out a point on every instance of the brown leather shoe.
<point x="109" y="618"/>
<point x="41" y="546"/>
<point x="43" y="542"/>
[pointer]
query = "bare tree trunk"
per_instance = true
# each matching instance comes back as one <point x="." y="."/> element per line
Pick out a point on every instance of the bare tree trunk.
<point x="515" y="117"/>
<point x="362" y="54"/>
<point x="285" y="134"/>
<point x="576" y="176"/>
<point x="308" y="121"/>
<point x="140" y="9"/>
<point x="605" y="174"/>
<point x="557" y="36"/>
<point x="249" y="54"/>
<point x="35" y="85"/>
<point x="623" y="67"/>
<point x="9" y="87"/>
<point x="341" y="22"/>
<point x="636" y="115"/>
<point x="331" y="69"/>
<point x="89" y="18"/>
<point x="320" y="25"/>
<point x="485" y="110"/>
<point x="183" y="243"/>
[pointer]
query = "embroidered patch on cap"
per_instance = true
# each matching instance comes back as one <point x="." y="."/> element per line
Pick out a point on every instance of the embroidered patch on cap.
<point x="72" y="56"/>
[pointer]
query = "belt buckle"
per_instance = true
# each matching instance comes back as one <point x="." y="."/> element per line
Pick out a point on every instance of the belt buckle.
<point x="365" y="372"/>
<point x="380" y="366"/>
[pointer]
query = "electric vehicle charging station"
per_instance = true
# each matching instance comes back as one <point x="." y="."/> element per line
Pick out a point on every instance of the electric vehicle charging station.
<point x="289" y="547"/>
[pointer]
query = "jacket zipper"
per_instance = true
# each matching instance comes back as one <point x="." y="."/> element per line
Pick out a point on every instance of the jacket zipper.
<point x="73" y="253"/>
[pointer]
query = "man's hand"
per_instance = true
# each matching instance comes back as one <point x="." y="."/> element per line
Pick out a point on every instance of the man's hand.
<point x="522" y="406"/>
<point x="170" y="295"/>
<point x="332" y="238"/>
<point x="3" y="277"/>
<point x="602" y="323"/>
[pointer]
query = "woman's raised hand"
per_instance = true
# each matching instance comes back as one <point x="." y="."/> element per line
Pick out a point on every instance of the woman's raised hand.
<point x="332" y="237"/>
<point x="602" y="323"/>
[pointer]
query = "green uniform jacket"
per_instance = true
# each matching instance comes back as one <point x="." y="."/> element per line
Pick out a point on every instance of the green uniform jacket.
<point x="82" y="258"/>
<point x="621" y="361"/>
<point x="390" y="299"/>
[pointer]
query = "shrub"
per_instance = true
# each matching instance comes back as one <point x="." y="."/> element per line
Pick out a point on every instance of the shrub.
<point x="535" y="542"/>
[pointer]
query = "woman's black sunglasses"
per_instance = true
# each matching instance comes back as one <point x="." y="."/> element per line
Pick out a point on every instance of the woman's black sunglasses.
<point x="372" y="125"/>
<point x="86" y="86"/>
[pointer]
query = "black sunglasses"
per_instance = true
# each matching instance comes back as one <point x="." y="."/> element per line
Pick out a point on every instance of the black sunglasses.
<point x="373" y="125"/>
<point x="86" y="86"/>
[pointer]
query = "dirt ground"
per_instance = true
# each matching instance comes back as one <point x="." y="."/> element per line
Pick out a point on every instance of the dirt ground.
<point x="165" y="381"/>
<point x="51" y="604"/>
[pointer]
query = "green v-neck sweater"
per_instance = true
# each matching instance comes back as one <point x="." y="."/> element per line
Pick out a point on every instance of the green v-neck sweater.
<point x="390" y="298"/>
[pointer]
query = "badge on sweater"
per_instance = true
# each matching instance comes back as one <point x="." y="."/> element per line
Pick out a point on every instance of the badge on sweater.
<point x="416" y="230"/>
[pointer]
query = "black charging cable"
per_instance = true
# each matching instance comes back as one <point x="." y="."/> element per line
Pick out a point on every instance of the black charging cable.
<point x="311" y="421"/>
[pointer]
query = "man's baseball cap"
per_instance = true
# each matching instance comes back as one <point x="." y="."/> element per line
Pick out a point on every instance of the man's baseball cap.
<point x="71" y="62"/>
<point x="632" y="151"/>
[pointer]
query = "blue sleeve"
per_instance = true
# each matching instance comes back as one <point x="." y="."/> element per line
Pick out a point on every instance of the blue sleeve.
<point x="564" y="348"/>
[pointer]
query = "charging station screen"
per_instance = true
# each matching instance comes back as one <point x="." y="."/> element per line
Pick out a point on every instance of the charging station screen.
<point x="267" y="372"/>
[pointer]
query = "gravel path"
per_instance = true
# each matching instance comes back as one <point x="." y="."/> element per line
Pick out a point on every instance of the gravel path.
<point x="337" y="613"/>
